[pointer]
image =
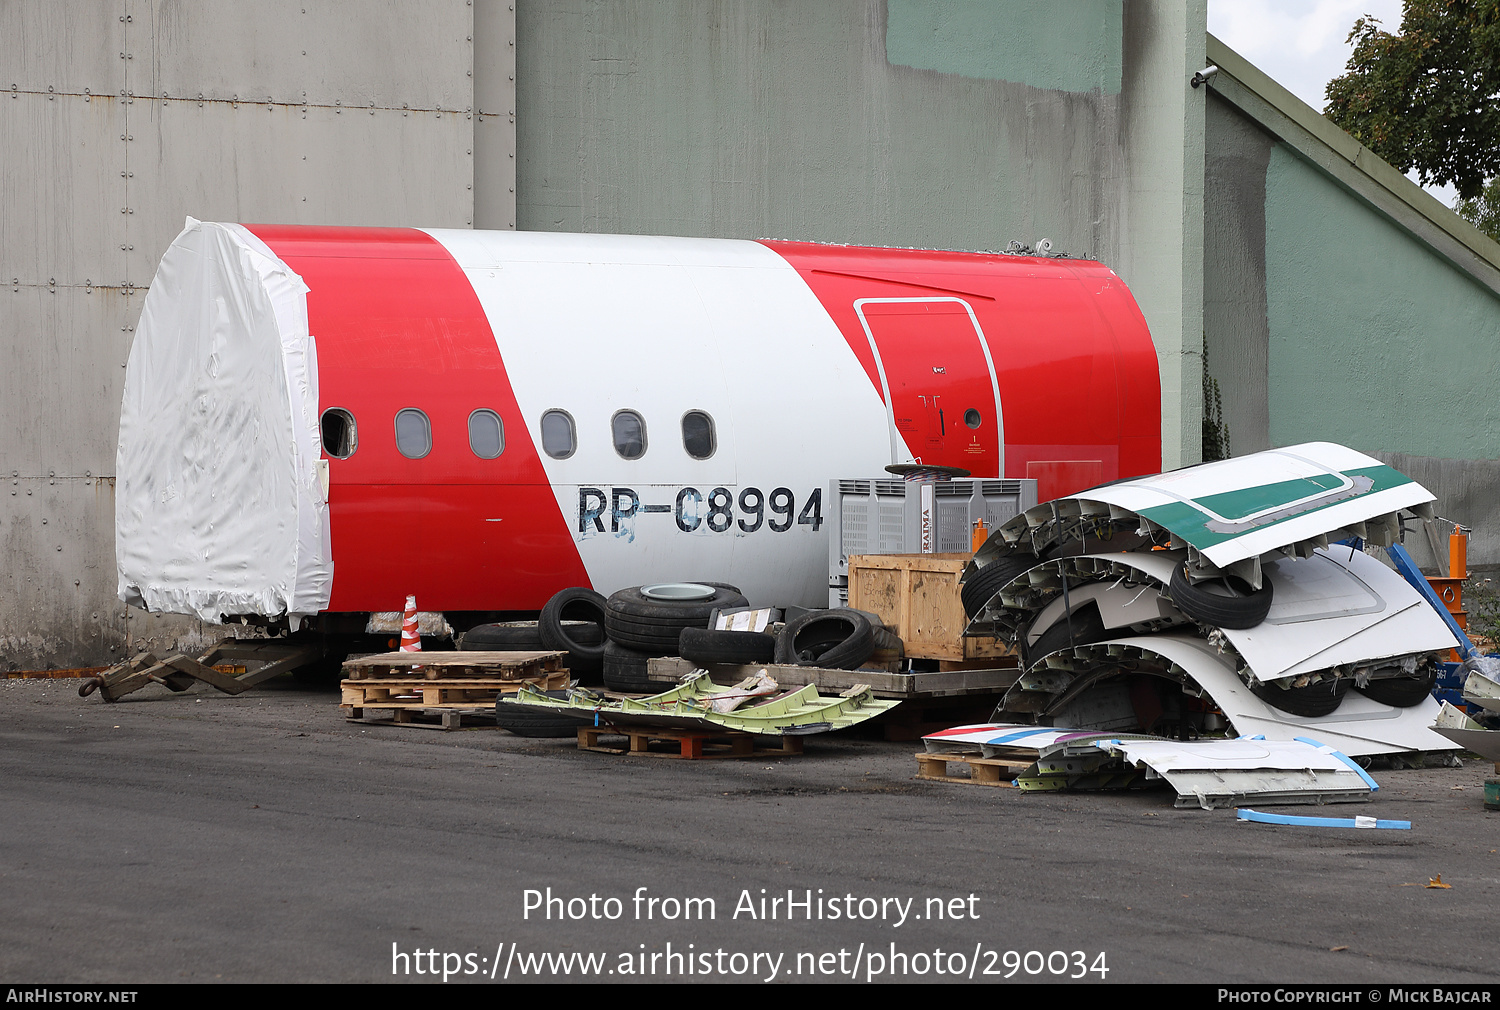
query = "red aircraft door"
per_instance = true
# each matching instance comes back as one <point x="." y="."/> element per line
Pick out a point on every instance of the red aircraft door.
<point x="938" y="380"/>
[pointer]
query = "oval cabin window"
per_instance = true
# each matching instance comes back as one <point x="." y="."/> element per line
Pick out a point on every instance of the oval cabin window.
<point x="559" y="437"/>
<point x="698" y="437"/>
<point x="628" y="429"/>
<point x="340" y="435"/>
<point x="413" y="433"/>
<point x="486" y="434"/>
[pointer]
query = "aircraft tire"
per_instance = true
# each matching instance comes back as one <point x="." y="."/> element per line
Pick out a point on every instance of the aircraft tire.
<point x="573" y="621"/>
<point x="839" y="639"/>
<point x="1311" y="701"/>
<point x="1228" y="602"/>
<point x="654" y="626"/>
<point x="507" y="636"/>
<point x="1400" y="692"/>
<point x="702" y="645"/>
<point x="990" y="579"/>
<point x="625" y="670"/>
<point x="1086" y="628"/>
<point x="528" y="722"/>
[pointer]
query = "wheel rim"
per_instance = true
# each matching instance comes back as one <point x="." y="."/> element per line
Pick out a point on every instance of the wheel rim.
<point x="678" y="592"/>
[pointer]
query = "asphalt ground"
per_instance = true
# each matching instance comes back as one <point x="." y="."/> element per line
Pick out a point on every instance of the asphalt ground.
<point x="202" y="838"/>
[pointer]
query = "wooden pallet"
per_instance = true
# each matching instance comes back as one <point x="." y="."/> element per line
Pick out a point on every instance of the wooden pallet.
<point x="983" y="771"/>
<point x="508" y="666"/>
<point x="425" y="718"/>
<point x="232" y="666"/>
<point x="475" y="693"/>
<point x="690" y="744"/>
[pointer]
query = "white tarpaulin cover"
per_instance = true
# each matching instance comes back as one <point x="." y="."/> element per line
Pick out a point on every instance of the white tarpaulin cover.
<point x="220" y="507"/>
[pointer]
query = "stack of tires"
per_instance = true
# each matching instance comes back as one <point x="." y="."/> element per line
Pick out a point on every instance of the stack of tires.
<point x="647" y="621"/>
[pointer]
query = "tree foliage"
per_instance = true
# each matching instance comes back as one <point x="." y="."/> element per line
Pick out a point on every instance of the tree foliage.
<point x="1483" y="212"/>
<point x="1427" y="98"/>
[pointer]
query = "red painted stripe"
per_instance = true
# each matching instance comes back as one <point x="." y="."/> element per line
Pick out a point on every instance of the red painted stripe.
<point x="398" y="325"/>
<point x="1074" y="361"/>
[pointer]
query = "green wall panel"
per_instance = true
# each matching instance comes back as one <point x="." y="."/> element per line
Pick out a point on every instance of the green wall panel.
<point x="1375" y="341"/>
<point x="1072" y="46"/>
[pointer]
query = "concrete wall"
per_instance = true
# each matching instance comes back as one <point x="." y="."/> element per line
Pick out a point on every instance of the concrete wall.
<point x="118" y="120"/>
<point x="1343" y="306"/>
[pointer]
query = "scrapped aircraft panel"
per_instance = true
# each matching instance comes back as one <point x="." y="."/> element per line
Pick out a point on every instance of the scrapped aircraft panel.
<point x="1359" y="727"/>
<point x="1221" y="773"/>
<point x="1232" y="510"/>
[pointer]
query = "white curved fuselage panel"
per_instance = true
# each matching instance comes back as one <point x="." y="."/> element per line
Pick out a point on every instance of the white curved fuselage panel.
<point x="593" y="324"/>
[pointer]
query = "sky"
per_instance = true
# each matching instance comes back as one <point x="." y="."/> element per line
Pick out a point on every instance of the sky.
<point x="1301" y="43"/>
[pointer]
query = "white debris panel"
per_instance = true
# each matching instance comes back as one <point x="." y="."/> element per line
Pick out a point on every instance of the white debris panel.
<point x="1222" y="773"/>
<point x="220" y="504"/>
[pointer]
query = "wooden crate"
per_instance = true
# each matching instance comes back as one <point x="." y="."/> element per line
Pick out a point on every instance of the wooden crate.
<point x="916" y="595"/>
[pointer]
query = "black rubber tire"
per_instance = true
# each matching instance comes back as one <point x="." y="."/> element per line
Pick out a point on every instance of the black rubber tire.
<point x="511" y="636"/>
<point x="832" y="639"/>
<point x="1087" y="627"/>
<point x="625" y="670"/>
<point x="887" y="640"/>
<point x="1401" y="692"/>
<point x="584" y="643"/>
<point x="654" y="626"/>
<point x="527" y="722"/>
<point x="1311" y="701"/>
<point x="1227" y="602"/>
<point x="990" y="579"/>
<point x="702" y="646"/>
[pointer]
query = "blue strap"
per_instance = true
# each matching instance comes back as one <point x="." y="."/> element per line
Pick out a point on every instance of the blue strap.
<point x="1411" y="573"/>
<point x="1245" y="814"/>
<point x="1374" y="787"/>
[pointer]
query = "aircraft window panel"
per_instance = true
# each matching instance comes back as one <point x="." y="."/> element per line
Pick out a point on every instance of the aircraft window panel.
<point x="413" y="433"/>
<point x="486" y="434"/>
<point x="559" y="435"/>
<point x="340" y="433"/>
<point x="629" y="432"/>
<point x="698" y="436"/>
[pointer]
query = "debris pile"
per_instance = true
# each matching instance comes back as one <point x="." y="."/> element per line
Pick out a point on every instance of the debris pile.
<point x="1229" y="598"/>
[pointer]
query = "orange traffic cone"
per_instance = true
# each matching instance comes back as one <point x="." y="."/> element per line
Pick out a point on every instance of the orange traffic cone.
<point x="410" y="642"/>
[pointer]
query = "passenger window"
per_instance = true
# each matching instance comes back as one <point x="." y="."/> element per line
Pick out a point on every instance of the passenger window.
<point x="972" y="418"/>
<point x="698" y="434"/>
<point x="413" y="433"/>
<point x="558" y="434"/>
<point x="629" y="432"/>
<point x="486" y="434"/>
<point x="340" y="436"/>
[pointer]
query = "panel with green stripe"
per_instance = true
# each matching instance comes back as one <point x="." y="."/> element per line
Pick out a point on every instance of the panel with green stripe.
<point x="1195" y="526"/>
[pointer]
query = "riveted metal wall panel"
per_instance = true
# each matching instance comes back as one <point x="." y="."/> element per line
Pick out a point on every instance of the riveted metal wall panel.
<point x="494" y="56"/>
<point x="389" y="53"/>
<point x="222" y="161"/>
<point x="64" y="190"/>
<point x="62" y="359"/>
<point x="97" y="177"/>
<point x="57" y="588"/>
<point x="64" y="46"/>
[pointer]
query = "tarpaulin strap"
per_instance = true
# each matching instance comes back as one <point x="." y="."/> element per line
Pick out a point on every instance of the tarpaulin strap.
<point x="1374" y="786"/>
<point x="1321" y="822"/>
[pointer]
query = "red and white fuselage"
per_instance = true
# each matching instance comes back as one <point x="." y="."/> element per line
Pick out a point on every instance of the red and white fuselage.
<point x="668" y="408"/>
